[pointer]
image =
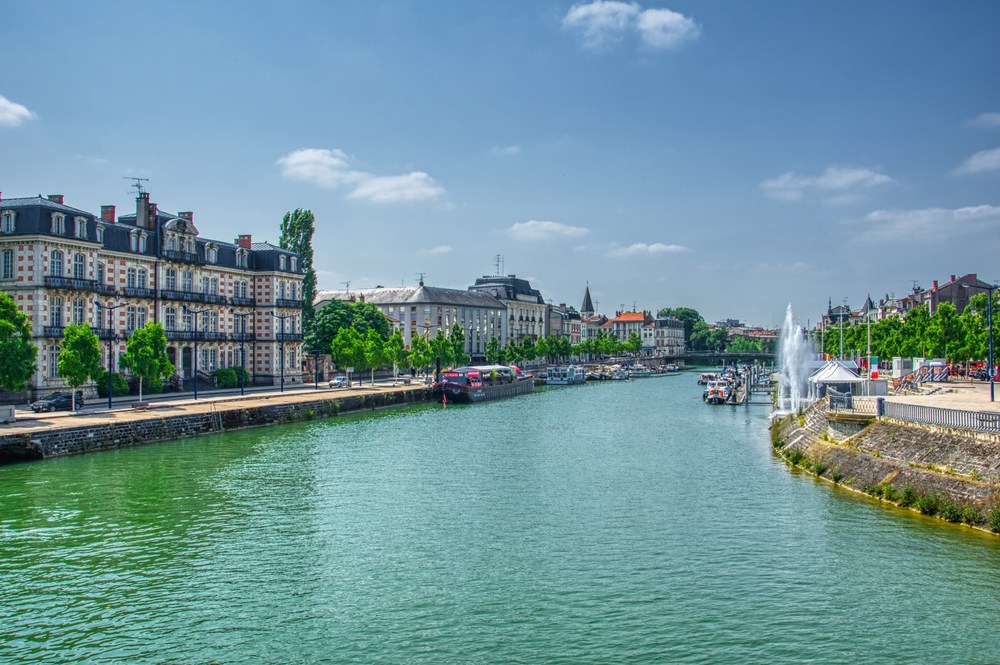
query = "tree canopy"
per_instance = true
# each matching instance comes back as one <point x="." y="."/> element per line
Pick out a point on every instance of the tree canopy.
<point x="17" y="353"/>
<point x="146" y="354"/>
<point x="297" y="230"/>
<point x="80" y="357"/>
<point x="338" y="314"/>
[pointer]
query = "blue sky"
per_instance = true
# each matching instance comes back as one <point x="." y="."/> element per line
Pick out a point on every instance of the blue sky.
<point x="729" y="156"/>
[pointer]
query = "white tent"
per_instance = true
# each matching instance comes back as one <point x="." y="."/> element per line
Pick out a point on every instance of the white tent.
<point x="835" y="373"/>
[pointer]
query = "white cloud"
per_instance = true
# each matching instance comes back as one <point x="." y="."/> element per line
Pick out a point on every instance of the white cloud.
<point x="841" y="183"/>
<point x="603" y="23"/>
<point x="13" y="114"/>
<point x="434" y="251"/>
<point x="988" y="120"/>
<point x="536" y="230"/>
<point x="931" y="223"/>
<point x="643" y="249"/>
<point x="505" y="151"/>
<point x="665" y="29"/>
<point x="982" y="161"/>
<point x="331" y="169"/>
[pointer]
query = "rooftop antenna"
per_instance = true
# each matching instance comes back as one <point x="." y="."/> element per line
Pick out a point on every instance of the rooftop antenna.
<point x="498" y="262"/>
<point x="916" y="285"/>
<point x="421" y="275"/>
<point x="635" y="306"/>
<point x="347" y="285"/>
<point x="136" y="183"/>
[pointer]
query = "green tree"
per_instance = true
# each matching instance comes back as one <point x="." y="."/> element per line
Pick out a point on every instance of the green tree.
<point x="743" y="344"/>
<point x="146" y="354"/>
<point x="689" y="316"/>
<point x="543" y="348"/>
<point x="80" y="358"/>
<point x="17" y="353"/>
<point x="442" y="350"/>
<point x="297" y="230"/>
<point x="634" y="343"/>
<point x="457" y="338"/>
<point x="397" y="353"/>
<point x="494" y="351"/>
<point x="375" y="355"/>
<point x="338" y="314"/>
<point x="528" y="351"/>
<point x="347" y="349"/>
<point x="420" y="353"/>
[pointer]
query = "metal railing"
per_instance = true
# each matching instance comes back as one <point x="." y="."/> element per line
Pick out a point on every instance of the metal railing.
<point x="977" y="421"/>
<point x="287" y="302"/>
<point x="192" y="296"/>
<point x="853" y="404"/>
<point x="53" y="332"/>
<point x="239" y="301"/>
<point x="137" y="292"/>
<point x="70" y="283"/>
<point x="175" y="255"/>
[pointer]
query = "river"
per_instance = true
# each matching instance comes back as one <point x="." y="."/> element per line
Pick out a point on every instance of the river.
<point x="615" y="522"/>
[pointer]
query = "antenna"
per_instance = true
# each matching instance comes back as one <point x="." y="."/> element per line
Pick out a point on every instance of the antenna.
<point x="635" y="307"/>
<point x="498" y="263"/>
<point x="347" y="285"/>
<point x="421" y="275"/>
<point x="136" y="183"/>
<point x="916" y="285"/>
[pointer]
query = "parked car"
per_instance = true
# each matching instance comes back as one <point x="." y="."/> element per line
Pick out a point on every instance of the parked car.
<point x="338" y="382"/>
<point x="57" y="402"/>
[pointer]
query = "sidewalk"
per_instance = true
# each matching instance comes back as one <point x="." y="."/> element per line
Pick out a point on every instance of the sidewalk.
<point x="961" y="395"/>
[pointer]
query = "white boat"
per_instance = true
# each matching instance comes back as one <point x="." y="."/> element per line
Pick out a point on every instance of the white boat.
<point x="717" y="392"/>
<point x="566" y="375"/>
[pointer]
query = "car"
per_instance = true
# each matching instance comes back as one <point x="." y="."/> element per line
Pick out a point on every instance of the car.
<point x="57" y="402"/>
<point x="338" y="382"/>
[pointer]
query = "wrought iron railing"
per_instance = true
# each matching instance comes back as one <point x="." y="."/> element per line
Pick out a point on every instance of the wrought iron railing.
<point x="978" y="421"/>
<point x="70" y="283"/>
<point x="53" y="332"/>
<point x="287" y="302"/>
<point x="185" y="257"/>
<point x="239" y="301"/>
<point x="137" y="292"/>
<point x="192" y="296"/>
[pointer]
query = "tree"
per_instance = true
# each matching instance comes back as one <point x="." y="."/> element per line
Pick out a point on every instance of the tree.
<point x="338" y="314"/>
<point x="743" y="344"/>
<point x="375" y="355"/>
<point x="347" y="349"/>
<point x="494" y="351"/>
<point x="397" y="353"/>
<point x="441" y="349"/>
<point x="17" y="353"/>
<point x="297" y="230"/>
<point x="80" y="358"/>
<point x="543" y="348"/>
<point x="634" y="343"/>
<point x="420" y="352"/>
<point x="146" y="354"/>
<point x="689" y="316"/>
<point x="457" y="338"/>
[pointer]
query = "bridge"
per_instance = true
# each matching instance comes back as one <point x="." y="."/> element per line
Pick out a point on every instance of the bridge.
<point x="723" y="358"/>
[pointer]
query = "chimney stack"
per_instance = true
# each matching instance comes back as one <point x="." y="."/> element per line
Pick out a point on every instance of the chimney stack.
<point x="244" y="241"/>
<point x="188" y="215"/>
<point x="935" y="286"/>
<point x="142" y="210"/>
<point x="108" y="214"/>
<point x="953" y="278"/>
<point x="56" y="198"/>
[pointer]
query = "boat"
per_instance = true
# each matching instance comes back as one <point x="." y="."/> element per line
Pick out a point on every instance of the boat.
<point x="479" y="383"/>
<point x="566" y="375"/>
<point x="672" y="367"/>
<point x="706" y="378"/>
<point x="717" y="392"/>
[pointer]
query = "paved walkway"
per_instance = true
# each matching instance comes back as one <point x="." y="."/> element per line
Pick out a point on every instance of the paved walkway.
<point x="956" y="395"/>
<point x="97" y="413"/>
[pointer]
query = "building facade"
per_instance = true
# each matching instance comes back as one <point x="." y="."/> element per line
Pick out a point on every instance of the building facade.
<point x="64" y="265"/>
<point x="526" y="311"/>
<point x="424" y="310"/>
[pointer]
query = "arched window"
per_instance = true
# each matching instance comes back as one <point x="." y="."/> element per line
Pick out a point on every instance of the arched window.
<point x="56" y="263"/>
<point x="170" y="318"/>
<point x="56" y="312"/>
<point x="78" y="311"/>
<point x="171" y="279"/>
<point x="130" y="278"/>
<point x="131" y="318"/>
<point x="281" y="290"/>
<point x="100" y="273"/>
<point x="143" y="278"/>
<point x="79" y="266"/>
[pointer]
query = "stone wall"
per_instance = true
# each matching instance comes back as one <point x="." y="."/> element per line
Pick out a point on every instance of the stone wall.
<point x="83" y="439"/>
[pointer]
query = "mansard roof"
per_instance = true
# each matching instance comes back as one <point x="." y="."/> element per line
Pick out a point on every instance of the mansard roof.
<point x="508" y="288"/>
<point x="412" y="295"/>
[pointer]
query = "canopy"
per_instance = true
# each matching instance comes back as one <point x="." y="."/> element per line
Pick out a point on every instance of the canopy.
<point x="834" y="372"/>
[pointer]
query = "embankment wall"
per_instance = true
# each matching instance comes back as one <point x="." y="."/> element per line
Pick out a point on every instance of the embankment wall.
<point x="152" y="428"/>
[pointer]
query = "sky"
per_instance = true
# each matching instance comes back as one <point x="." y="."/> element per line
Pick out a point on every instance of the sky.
<point x="729" y="156"/>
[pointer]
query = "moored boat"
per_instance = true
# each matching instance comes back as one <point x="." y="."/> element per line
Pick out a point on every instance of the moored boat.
<point x="479" y="383"/>
<point x="566" y="375"/>
<point x="717" y="392"/>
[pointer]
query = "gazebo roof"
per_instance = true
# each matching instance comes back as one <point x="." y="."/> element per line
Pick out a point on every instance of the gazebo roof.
<point x="834" y="372"/>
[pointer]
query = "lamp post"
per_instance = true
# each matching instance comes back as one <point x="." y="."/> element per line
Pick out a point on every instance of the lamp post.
<point x="990" y="288"/>
<point x="195" y="313"/>
<point x="243" y="335"/>
<point x="282" y="317"/>
<point x="111" y="339"/>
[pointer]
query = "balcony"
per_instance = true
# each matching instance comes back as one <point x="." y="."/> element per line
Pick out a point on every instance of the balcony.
<point x="242" y="302"/>
<point x="288" y="337"/>
<point x="243" y="337"/>
<point x="106" y="290"/>
<point x="190" y="336"/>
<point x="192" y="296"/>
<point x="285" y="302"/>
<point x="137" y="292"/>
<point x="103" y="333"/>
<point x="71" y="283"/>
<point x="183" y="257"/>
<point x="53" y="332"/>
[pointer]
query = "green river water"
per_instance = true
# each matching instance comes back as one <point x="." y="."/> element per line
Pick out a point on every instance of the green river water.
<point x="608" y="523"/>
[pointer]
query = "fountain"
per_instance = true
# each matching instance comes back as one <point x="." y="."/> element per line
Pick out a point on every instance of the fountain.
<point x="794" y="354"/>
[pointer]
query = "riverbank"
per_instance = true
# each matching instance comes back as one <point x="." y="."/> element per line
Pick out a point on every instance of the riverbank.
<point x="61" y="434"/>
<point x="941" y="472"/>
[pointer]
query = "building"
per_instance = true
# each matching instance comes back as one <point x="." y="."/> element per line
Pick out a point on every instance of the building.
<point x="526" y="311"/>
<point x="664" y="336"/>
<point x="424" y="310"/>
<point x="64" y="265"/>
<point x="626" y="323"/>
<point x="958" y="291"/>
<point x="565" y="322"/>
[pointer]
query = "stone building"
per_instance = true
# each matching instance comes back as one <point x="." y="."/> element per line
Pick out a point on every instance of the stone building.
<point x="64" y="265"/>
<point x="526" y="311"/>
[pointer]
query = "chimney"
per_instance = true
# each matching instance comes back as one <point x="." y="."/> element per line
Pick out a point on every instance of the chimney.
<point x="108" y="214"/>
<point x="142" y="210"/>
<point x="244" y="241"/>
<point x="56" y="198"/>
<point x="934" y="288"/>
<point x="953" y="278"/>
<point x="188" y="215"/>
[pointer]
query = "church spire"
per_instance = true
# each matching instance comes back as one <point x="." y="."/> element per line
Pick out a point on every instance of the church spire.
<point x="588" y="305"/>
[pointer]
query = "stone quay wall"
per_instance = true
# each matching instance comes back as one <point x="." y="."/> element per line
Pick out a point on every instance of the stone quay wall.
<point x="961" y="468"/>
<point x="154" y="427"/>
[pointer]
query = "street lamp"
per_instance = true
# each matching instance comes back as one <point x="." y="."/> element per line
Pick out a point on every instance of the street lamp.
<point x="243" y="336"/>
<point x="195" y="313"/>
<point x="111" y="339"/>
<point x="990" y="288"/>
<point x="282" y="317"/>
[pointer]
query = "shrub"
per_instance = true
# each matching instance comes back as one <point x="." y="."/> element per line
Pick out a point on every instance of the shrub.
<point x="226" y="377"/>
<point x="993" y="517"/>
<point x="819" y="468"/>
<point x="151" y="385"/>
<point x="119" y="386"/>
<point x="889" y="493"/>
<point x="795" y="457"/>
<point x="949" y="511"/>
<point x="908" y="496"/>
<point x="836" y="476"/>
<point x="928" y="504"/>
<point x="971" y="515"/>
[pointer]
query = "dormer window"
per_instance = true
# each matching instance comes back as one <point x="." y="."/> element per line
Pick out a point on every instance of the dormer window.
<point x="295" y="264"/>
<point x="80" y="227"/>
<point x="7" y="221"/>
<point x="58" y="223"/>
<point x="99" y="232"/>
<point x="142" y="242"/>
<point x="241" y="258"/>
<point x="211" y="254"/>
<point x="281" y="262"/>
<point x="133" y="241"/>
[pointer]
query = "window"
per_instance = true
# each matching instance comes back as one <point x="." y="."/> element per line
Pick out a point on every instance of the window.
<point x="58" y="223"/>
<point x="211" y="254"/>
<point x="56" y="263"/>
<point x="187" y="278"/>
<point x="78" y="311"/>
<point x="56" y="312"/>
<point x="241" y="258"/>
<point x="131" y="318"/>
<point x="99" y="232"/>
<point x="142" y="317"/>
<point x="133" y="241"/>
<point x="80" y="227"/>
<point x="295" y="263"/>
<point x="7" y="221"/>
<point x="206" y="285"/>
<point x="100" y="273"/>
<point x="188" y="321"/>
<point x="142" y="242"/>
<point x="130" y="278"/>
<point x="241" y="289"/>
<point x="54" y="361"/>
<point x="214" y="285"/>
<point x="171" y="279"/>
<point x="172" y="244"/>
<point x="170" y="318"/>
<point x="203" y="324"/>
<point x="281" y="290"/>
<point x="143" y="278"/>
<point x="7" y="264"/>
<point x="281" y="262"/>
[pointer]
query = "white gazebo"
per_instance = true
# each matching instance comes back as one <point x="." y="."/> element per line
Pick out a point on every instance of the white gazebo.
<point x="834" y="375"/>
